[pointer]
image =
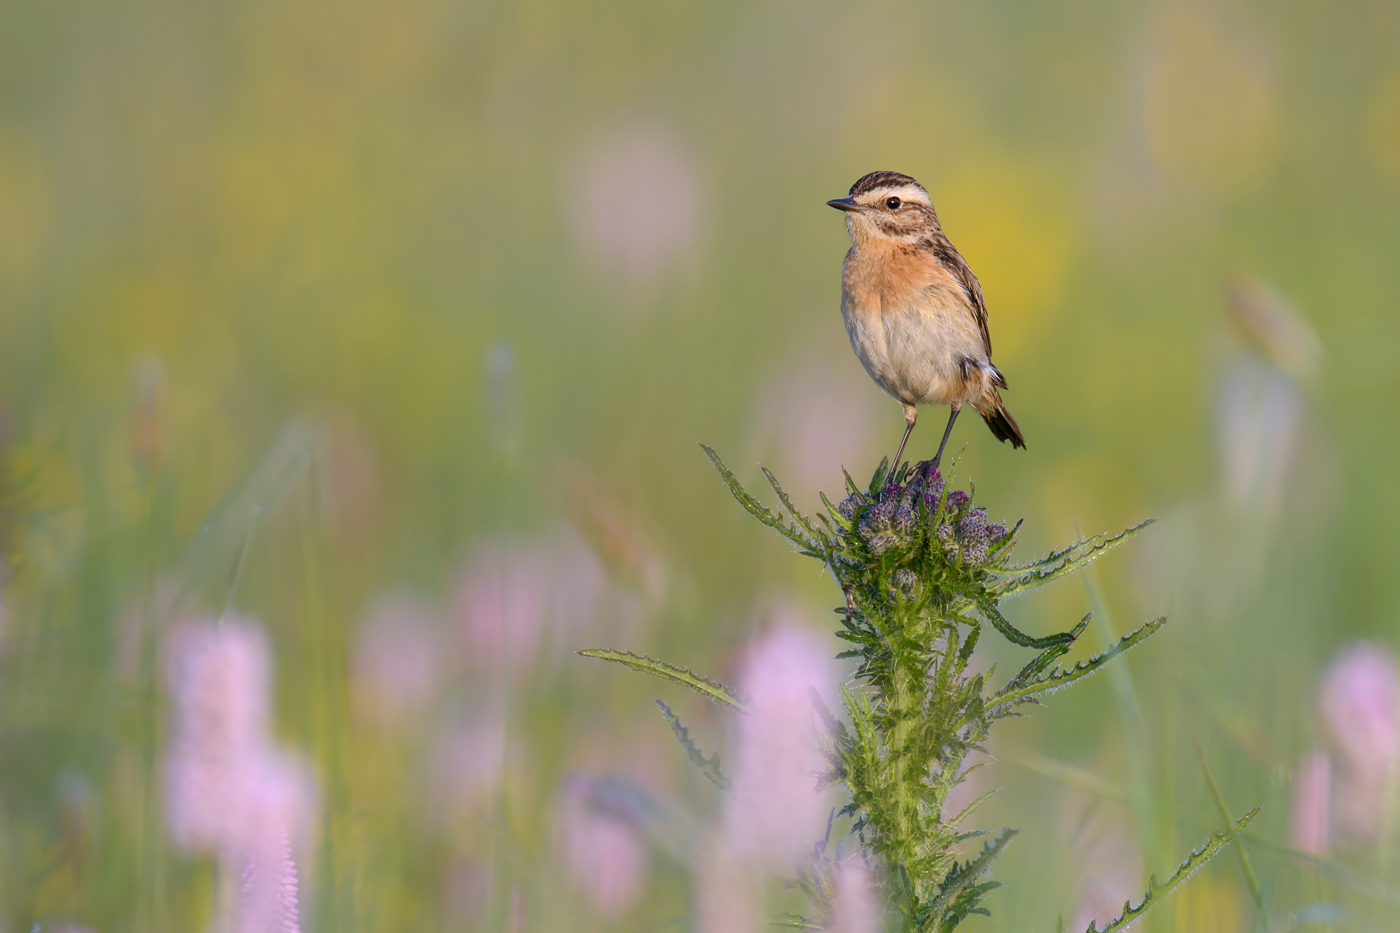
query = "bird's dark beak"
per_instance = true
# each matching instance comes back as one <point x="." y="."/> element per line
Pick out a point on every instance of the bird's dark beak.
<point x="845" y="204"/>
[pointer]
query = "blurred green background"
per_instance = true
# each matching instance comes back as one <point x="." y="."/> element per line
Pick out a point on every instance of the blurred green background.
<point x="429" y="302"/>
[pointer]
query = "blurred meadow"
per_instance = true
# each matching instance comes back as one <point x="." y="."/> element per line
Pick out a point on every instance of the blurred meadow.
<point x="382" y="330"/>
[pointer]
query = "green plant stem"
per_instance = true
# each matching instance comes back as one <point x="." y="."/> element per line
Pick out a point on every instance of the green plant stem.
<point x="1261" y="915"/>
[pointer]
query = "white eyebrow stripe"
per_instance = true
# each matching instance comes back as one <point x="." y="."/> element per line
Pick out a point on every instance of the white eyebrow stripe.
<point x="904" y="192"/>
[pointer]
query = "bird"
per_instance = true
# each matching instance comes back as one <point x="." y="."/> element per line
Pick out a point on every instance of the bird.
<point x="914" y="310"/>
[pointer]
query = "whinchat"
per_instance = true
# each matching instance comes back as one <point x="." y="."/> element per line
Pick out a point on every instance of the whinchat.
<point x="914" y="310"/>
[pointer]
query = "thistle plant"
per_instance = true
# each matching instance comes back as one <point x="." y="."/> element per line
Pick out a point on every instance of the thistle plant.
<point x="922" y="570"/>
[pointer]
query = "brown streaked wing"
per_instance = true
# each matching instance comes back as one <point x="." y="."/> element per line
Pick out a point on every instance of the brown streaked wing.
<point x="947" y="254"/>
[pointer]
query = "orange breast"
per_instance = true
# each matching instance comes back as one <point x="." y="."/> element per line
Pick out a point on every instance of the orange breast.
<point x="882" y="278"/>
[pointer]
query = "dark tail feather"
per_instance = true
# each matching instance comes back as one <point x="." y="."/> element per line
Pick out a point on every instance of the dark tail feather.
<point x="1003" y="426"/>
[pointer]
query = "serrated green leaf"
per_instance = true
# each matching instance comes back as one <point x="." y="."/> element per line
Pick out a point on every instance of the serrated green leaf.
<point x="1017" y="637"/>
<point x="882" y="473"/>
<point x="757" y="509"/>
<point x="835" y="512"/>
<point x="960" y="876"/>
<point x="1062" y="563"/>
<point x="1156" y="892"/>
<point x="710" y="689"/>
<point x="786" y="501"/>
<point x="1058" y="679"/>
<point x="708" y="766"/>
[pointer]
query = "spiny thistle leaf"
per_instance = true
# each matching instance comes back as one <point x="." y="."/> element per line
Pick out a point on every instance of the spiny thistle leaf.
<point x="722" y="694"/>
<point x="708" y="766"/>
<point x="960" y="876"/>
<point x="1155" y="892"/>
<point x="786" y="500"/>
<point x="1063" y="562"/>
<point x="757" y="509"/>
<point x="1017" y="637"/>
<point x="1058" y="679"/>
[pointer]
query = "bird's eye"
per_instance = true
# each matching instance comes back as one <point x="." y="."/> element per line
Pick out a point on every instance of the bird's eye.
<point x="892" y="203"/>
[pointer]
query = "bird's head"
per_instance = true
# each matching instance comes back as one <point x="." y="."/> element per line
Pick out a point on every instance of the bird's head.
<point x="887" y="206"/>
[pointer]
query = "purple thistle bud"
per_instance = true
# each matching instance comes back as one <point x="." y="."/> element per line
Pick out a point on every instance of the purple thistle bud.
<point x="933" y="490"/>
<point x="878" y="518"/>
<point x="881" y="543"/>
<point x="973" y="526"/>
<point x="957" y="500"/>
<point x="905" y="580"/>
<point x="996" y="531"/>
<point x="974" y="552"/>
<point x="973" y="537"/>
<point x="850" y="505"/>
<point x="904" y="519"/>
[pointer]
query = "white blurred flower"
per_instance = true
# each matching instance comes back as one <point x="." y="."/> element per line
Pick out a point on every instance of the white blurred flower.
<point x="1259" y="411"/>
<point x="398" y="660"/>
<point x="636" y="205"/>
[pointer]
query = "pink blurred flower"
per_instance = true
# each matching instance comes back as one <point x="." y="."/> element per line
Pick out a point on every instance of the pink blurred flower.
<point x="521" y="597"/>
<point x="816" y="418"/>
<point x="604" y="854"/>
<point x="229" y="790"/>
<point x="466" y="888"/>
<point x="775" y="812"/>
<point x="1308" y="813"/>
<point x="1358" y="703"/>
<point x="268" y="900"/>
<point x="1108" y="867"/>
<point x="729" y="894"/>
<point x="856" y="908"/>
<point x="467" y="764"/>
<point x="636" y="208"/>
<point x="397" y="664"/>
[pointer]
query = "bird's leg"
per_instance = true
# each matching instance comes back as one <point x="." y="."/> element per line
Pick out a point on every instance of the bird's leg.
<point x="911" y="414"/>
<point x="938" y="457"/>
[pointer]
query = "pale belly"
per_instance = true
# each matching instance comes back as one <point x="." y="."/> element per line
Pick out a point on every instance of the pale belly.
<point x="917" y="354"/>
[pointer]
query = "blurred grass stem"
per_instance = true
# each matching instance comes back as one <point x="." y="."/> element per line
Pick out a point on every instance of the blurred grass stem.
<point x="1261" y="913"/>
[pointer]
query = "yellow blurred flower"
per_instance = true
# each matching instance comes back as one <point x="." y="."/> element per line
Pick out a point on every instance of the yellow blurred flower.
<point x="24" y="204"/>
<point x="1020" y="228"/>
<point x="1210" y="99"/>
<point x="1210" y="905"/>
<point x="1383" y="127"/>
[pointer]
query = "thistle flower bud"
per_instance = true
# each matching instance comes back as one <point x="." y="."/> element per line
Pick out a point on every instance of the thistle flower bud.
<point x="881" y="543"/>
<point x="903" y="519"/>
<point x="933" y="490"/>
<point x="905" y="580"/>
<point x="958" y="500"/>
<point x="973" y="527"/>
